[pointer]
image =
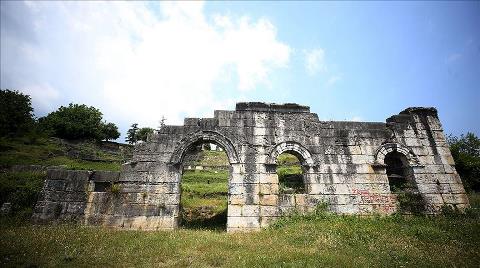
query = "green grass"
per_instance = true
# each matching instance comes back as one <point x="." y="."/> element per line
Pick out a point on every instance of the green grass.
<point x="314" y="241"/>
<point x="219" y="202"/>
<point x="204" y="199"/>
<point x="474" y="199"/>
<point x="289" y="173"/>
<point x="22" y="190"/>
<point x="205" y="176"/>
<point x="288" y="170"/>
<point x="78" y="164"/>
<point x="212" y="158"/>
<point x="287" y="159"/>
<point x="51" y="152"/>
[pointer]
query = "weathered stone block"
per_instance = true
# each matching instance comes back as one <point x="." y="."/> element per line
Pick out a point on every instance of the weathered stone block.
<point x="250" y="210"/>
<point x="269" y="200"/>
<point x="243" y="222"/>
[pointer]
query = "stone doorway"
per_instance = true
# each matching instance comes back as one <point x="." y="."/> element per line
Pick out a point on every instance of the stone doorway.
<point x="204" y="187"/>
<point x="402" y="184"/>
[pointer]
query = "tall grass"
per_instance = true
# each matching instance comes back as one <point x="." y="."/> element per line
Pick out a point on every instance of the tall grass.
<point x="313" y="241"/>
<point x="21" y="189"/>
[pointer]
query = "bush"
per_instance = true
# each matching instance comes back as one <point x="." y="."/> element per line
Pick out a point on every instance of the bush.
<point x="110" y="131"/>
<point x="16" y="113"/>
<point x="411" y="202"/>
<point x="115" y="188"/>
<point x="466" y="153"/>
<point x="135" y="134"/>
<point x="78" y="122"/>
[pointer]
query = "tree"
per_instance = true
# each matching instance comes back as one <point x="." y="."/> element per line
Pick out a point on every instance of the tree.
<point x="132" y="134"/>
<point x="110" y="131"/>
<point x="16" y="113"/>
<point x="143" y="133"/>
<point x="466" y="153"/>
<point x="78" y="122"/>
<point x="135" y="134"/>
<point x="162" y="122"/>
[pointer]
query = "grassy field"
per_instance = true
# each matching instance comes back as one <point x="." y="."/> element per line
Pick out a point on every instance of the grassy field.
<point x="55" y="152"/>
<point x="319" y="239"/>
<point x="204" y="199"/>
<point x="315" y="240"/>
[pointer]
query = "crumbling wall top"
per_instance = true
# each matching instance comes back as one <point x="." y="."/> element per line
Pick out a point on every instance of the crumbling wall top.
<point x="421" y="110"/>
<point x="272" y="107"/>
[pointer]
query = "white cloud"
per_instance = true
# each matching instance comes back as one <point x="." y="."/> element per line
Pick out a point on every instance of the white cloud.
<point x="315" y="61"/>
<point x="333" y="79"/>
<point x="138" y="65"/>
<point x="43" y="95"/>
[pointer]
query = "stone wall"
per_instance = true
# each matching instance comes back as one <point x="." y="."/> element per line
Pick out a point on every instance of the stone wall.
<point x="63" y="196"/>
<point x="343" y="164"/>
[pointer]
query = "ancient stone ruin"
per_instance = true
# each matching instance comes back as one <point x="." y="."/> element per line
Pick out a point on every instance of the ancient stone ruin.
<point x="353" y="167"/>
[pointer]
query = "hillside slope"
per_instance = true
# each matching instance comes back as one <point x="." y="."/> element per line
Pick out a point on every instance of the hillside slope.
<point x="23" y="163"/>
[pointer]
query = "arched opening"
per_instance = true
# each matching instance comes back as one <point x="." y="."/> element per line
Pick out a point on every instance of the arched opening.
<point x="204" y="186"/>
<point x="397" y="171"/>
<point x="402" y="183"/>
<point x="290" y="173"/>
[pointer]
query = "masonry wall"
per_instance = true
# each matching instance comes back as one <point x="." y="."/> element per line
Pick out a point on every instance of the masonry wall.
<point x="343" y="166"/>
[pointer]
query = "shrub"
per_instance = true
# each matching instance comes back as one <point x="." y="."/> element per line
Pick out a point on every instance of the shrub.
<point x="78" y="122"/>
<point x="16" y="113"/>
<point x="115" y="188"/>
<point x="411" y="202"/>
<point x="135" y="134"/>
<point x="466" y="153"/>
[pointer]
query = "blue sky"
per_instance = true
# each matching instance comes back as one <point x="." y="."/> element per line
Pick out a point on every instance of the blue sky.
<point x="137" y="62"/>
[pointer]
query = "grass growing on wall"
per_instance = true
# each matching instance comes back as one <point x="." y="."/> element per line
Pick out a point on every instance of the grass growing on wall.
<point x="314" y="241"/>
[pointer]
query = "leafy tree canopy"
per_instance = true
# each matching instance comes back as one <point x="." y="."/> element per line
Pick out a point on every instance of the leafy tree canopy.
<point x="16" y="113"/>
<point x="135" y="134"/>
<point x="466" y="153"/>
<point x="110" y="131"/>
<point x="144" y="132"/>
<point x="78" y="121"/>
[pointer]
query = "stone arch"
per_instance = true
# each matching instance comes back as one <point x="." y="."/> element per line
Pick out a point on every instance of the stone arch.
<point x="290" y="146"/>
<point x="395" y="147"/>
<point x="206" y="136"/>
